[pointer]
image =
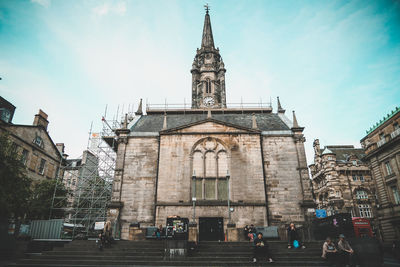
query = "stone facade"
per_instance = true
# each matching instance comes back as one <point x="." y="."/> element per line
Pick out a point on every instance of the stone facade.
<point x="38" y="152"/>
<point x="342" y="182"/>
<point x="382" y="149"/>
<point x="189" y="163"/>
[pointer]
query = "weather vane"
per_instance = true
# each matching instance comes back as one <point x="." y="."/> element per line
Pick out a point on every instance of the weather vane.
<point x="207" y="7"/>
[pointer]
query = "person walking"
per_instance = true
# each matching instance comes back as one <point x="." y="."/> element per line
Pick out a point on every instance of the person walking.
<point x="107" y="232"/>
<point x="293" y="235"/>
<point x="261" y="248"/>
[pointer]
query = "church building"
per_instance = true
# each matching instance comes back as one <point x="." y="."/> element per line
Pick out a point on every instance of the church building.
<point x="218" y="166"/>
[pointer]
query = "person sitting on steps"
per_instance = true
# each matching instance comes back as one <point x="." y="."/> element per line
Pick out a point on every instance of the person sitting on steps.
<point x="329" y="251"/>
<point x="261" y="248"/>
<point x="293" y="235"/>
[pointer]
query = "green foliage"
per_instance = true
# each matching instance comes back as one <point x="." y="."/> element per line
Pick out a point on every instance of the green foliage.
<point x="15" y="185"/>
<point x="42" y="197"/>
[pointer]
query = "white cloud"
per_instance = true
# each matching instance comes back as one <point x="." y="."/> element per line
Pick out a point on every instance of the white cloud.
<point x="118" y="8"/>
<point x="45" y="3"/>
<point x="102" y="9"/>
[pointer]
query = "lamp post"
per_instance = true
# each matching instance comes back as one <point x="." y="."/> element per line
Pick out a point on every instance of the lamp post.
<point x="194" y="196"/>
<point x="229" y="201"/>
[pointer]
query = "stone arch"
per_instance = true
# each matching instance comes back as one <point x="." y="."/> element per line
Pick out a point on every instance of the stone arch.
<point x="210" y="162"/>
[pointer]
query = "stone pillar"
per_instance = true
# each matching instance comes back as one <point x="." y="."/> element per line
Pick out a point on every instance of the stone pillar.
<point x="232" y="233"/>
<point x="193" y="233"/>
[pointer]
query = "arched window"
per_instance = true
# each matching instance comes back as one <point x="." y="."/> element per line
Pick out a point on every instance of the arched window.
<point x="208" y="86"/>
<point x="210" y="166"/>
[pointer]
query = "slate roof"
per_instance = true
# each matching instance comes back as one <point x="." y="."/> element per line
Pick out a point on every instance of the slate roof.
<point x="343" y="153"/>
<point x="154" y="122"/>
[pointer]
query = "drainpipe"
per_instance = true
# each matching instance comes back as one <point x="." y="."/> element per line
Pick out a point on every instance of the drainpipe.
<point x="156" y="186"/>
<point x="265" y="179"/>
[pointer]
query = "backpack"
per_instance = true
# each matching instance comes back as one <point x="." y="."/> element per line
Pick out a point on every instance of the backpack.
<point x="296" y="244"/>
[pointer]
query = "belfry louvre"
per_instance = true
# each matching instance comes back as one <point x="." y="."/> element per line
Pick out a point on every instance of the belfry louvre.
<point x="190" y="162"/>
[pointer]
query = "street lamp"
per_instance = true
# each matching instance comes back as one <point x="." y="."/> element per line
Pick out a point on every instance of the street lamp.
<point x="194" y="196"/>
<point x="229" y="201"/>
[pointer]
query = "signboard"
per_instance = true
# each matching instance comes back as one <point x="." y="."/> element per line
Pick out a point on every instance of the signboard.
<point x="98" y="225"/>
<point x="320" y="213"/>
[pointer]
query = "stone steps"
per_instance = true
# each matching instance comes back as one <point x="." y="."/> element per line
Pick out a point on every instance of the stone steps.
<point x="151" y="253"/>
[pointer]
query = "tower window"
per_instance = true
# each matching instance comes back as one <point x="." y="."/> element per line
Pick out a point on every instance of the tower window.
<point x="208" y="86"/>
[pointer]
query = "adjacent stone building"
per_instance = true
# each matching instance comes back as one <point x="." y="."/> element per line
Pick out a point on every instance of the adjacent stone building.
<point x="190" y="162"/>
<point x="41" y="156"/>
<point x="382" y="152"/>
<point x="342" y="182"/>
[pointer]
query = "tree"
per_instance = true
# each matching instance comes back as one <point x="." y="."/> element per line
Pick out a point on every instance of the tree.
<point x="42" y="197"/>
<point x="15" y="185"/>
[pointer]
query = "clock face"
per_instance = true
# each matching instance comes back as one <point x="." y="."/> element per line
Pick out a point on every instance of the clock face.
<point x="208" y="101"/>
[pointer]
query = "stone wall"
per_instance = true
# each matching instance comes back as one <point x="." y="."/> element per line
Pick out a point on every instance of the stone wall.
<point x="138" y="183"/>
<point x="283" y="180"/>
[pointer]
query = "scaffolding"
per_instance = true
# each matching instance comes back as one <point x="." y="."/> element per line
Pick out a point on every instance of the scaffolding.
<point x="88" y="180"/>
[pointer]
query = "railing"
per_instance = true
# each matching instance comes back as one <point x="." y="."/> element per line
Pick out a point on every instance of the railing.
<point x="395" y="133"/>
<point x="381" y="142"/>
<point x="185" y="106"/>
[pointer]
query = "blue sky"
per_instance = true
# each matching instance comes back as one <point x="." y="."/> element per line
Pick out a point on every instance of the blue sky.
<point x="337" y="63"/>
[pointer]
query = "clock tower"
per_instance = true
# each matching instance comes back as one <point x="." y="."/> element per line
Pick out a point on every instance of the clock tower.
<point x="208" y="72"/>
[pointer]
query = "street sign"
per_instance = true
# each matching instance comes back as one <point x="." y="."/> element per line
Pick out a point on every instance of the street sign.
<point x="320" y="213"/>
<point x="98" y="225"/>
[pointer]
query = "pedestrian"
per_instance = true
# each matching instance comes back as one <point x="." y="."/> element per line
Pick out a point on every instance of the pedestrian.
<point x="293" y="236"/>
<point x="345" y="251"/>
<point x="252" y="233"/>
<point x="107" y="232"/>
<point x="261" y="248"/>
<point x="329" y="251"/>
<point x="159" y="232"/>
<point x="246" y="231"/>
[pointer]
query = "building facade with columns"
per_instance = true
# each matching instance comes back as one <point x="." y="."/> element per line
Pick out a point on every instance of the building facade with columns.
<point x="382" y="153"/>
<point x="216" y="165"/>
<point x="342" y="182"/>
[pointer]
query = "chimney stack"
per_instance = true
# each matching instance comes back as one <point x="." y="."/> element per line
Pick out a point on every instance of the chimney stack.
<point x="60" y="147"/>
<point x="41" y="119"/>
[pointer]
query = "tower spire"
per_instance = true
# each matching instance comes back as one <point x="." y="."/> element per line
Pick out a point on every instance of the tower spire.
<point x="207" y="40"/>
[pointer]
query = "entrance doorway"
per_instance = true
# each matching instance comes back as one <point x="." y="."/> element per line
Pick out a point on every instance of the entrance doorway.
<point x="211" y="229"/>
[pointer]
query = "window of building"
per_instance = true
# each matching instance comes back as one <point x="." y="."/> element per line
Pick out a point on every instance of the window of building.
<point x="382" y="136"/>
<point x="355" y="162"/>
<point x="38" y="141"/>
<point x="210" y="169"/>
<point x="208" y="86"/>
<point x="396" y="195"/>
<point x="14" y="147"/>
<point x="361" y="194"/>
<point x="338" y="194"/>
<point x="388" y="168"/>
<point x="24" y="156"/>
<point x="330" y="158"/>
<point x="41" y="166"/>
<point x="365" y="210"/>
<point x="354" y="177"/>
<point x="362" y="178"/>
<point x="5" y="115"/>
<point x="396" y="126"/>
